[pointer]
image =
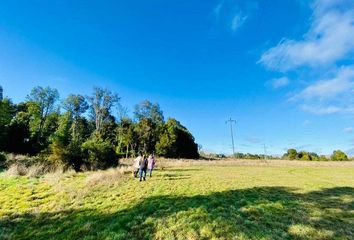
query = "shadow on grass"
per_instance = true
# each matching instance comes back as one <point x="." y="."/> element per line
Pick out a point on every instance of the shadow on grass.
<point x="254" y="213"/>
<point x="186" y="169"/>
<point x="174" y="176"/>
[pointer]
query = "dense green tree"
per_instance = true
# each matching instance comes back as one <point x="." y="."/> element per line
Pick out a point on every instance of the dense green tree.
<point x="43" y="114"/>
<point x="19" y="137"/>
<point x="71" y="133"/>
<point x="127" y="138"/>
<point x="99" y="153"/>
<point x="314" y="156"/>
<point x="75" y="105"/>
<point x="38" y="126"/>
<point x="109" y="130"/>
<point x="304" y="156"/>
<point x="147" y="135"/>
<point x="99" y="148"/>
<point x="167" y="144"/>
<point x="176" y="141"/>
<point x="149" y="127"/>
<point x="7" y="111"/>
<point x="101" y="103"/>
<point x="338" y="155"/>
<point x="323" y="158"/>
<point x="2" y="160"/>
<point x="291" y="154"/>
<point x="148" y="110"/>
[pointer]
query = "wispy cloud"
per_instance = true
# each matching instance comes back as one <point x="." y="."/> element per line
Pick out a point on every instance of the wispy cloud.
<point x="237" y="22"/>
<point x="232" y="14"/>
<point x="325" y="51"/>
<point x="333" y="95"/>
<point x="320" y="109"/>
<point x="278" y="82"/>
<point x="330" y="38"/>
<point x="342" y="82"/>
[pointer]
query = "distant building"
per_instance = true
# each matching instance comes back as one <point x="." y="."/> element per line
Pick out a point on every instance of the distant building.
<point x="1" y="93"/>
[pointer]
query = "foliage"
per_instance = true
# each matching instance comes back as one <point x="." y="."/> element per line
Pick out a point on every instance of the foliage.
<point x="2" y="160"/>
<point x="303" y="156"/>
<point x="147" y="135"/>
<point x="176" y="141"/>
<point x="71" y="133"/>
<point x="291" y="154"/>
<point x="148" y="110"/>
<point x="40" y="125"/>
<point x="127" y="138"/>
<point x="44" y="115"/>
<point x="239" y="155"/>
<point x="149" y="126"/>
<point x="314" y="156"/>
<point x="323" y="158"/>
<point x="338" y="155"/>
<point x="101" y="103"/>
<point x="99" y="153"/>
<point x="7" y="111"/>
<point x="199" y="202"/>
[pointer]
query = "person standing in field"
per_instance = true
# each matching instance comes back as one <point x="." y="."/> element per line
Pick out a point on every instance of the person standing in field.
<point x="136" y="165"/>
<point x="143" y="166"/>
<point x="151" y="164"/>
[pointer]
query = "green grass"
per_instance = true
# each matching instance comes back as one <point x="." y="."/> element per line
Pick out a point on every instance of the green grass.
<point x="199" y="202"/>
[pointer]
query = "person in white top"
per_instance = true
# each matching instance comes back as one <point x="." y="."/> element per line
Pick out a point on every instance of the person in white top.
<point x="151" y="164"/>
<point x="136" y="166"/>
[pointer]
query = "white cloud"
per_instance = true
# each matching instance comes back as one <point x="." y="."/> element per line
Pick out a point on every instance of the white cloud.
<point x="333" y="95"/>
<point x="342" y="82"/>
<point x="348" y="130"/>
<point x="217" y="9"/>
<point x="278" y="82"/>
<point x="325" y="48"/>
<point x="232" y="14"/>
<point x="330" y="39"/>
<point x="237" y="21"/>
<point x="320" y="110"/>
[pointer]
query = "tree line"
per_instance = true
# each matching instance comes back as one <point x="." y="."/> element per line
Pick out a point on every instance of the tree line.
<point x="83" y="131"/>
<point x="293" y="154"/>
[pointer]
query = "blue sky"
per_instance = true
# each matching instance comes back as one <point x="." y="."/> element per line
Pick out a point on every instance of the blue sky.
<point x="283" y="69"/>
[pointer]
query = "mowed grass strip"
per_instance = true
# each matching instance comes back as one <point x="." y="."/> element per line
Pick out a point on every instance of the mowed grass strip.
<point x="196" y="202"/>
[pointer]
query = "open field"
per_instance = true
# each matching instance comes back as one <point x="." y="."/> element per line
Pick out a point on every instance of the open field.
<point x="195" y="200"/>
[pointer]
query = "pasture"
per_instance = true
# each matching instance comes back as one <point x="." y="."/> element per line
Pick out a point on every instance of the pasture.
<point x="190" y="200"/>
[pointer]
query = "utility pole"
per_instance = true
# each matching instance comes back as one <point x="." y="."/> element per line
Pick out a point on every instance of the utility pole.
<point x="265" y="151"/>
<point x="231" y="121"/>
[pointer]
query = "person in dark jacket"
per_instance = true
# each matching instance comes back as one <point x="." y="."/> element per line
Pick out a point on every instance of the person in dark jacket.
<point x="143" y="163"/>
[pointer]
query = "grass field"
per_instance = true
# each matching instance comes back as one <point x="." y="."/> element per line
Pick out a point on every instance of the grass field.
<point x="185" y="202"/>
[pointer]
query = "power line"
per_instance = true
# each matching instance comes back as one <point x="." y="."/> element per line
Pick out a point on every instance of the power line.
<point x="231" y="121"/>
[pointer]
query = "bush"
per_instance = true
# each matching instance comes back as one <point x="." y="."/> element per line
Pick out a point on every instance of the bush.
<point x="304" y="156"/>
<point x="323" y="158"/>
<point x="2" y="160"/>
<point x="338" y="155"/>
<point x="291" y="154"/>
<point x="99" y="153"/>
<point x="176" y="141"/>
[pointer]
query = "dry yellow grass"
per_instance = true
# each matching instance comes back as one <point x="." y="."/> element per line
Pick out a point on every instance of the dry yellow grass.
<point x="163" y="163"/>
